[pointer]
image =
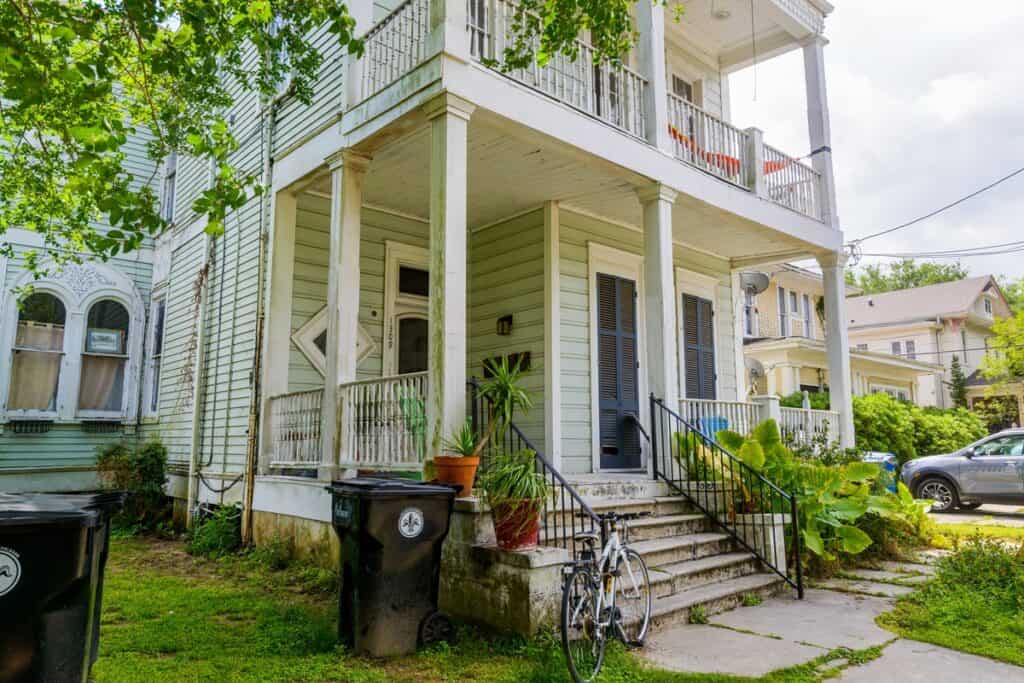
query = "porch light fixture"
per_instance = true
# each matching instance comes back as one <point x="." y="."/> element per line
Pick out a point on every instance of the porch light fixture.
<point x="505" y="325"/>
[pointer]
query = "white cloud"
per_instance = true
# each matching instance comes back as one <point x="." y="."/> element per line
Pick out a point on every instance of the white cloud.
<point x="927" y="104"/>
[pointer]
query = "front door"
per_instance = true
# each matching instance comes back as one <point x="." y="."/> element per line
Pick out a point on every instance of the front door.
<point x="996" y="469"/>
<point x="618" y="391"/>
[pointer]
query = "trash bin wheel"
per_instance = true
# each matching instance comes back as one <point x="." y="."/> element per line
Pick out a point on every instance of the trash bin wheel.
<point x="436" y="627"/>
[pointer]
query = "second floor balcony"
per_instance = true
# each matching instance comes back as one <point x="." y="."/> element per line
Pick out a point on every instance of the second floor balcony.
<point x="690" y="120"/>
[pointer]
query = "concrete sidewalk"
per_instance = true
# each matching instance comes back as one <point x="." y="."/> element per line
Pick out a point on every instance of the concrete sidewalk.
<point x="784" y="632"/>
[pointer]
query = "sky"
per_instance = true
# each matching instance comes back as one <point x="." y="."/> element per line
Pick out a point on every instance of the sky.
<point x="927" y="105"/>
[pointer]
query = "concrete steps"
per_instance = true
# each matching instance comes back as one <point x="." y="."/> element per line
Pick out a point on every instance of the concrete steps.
<point x="719" y="596"/>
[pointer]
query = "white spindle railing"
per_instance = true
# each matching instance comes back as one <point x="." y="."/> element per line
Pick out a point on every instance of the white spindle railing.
<point x="802" y="425"/>
<point x="707" y="142"/>
<point x="383" y="422"/>
<point x="713" y="416"/>
<point x="803" y="10"/>
<point x="295" y="429"/>
<point x="792" y="183"/>
<point x="780" y="325"/>
<point x="394" y="46"/>
<point x="614" y="94"/>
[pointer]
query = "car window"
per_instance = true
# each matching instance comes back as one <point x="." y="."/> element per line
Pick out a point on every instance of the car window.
<point x="1007" y="445"/>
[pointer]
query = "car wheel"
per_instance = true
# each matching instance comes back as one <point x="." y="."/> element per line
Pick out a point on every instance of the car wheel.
<point x="940" y="491"/>
<point x="970" y="506"/>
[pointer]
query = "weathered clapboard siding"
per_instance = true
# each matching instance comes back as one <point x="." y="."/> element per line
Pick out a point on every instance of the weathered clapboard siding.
<point x="506" y="277"/>
<point x="710" y="86"/>
<point x="309" y="293"/>
<point x="65" y="445"/>
<point x="575" y="232"/>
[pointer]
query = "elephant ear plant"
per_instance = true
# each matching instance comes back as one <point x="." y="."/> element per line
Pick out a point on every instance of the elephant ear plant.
<point x="516" y="493"/>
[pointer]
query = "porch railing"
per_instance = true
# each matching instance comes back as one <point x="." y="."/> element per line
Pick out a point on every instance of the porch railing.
<point x="394" y="46"/>
<point x="792" y="183"/>
<point x="781" y="325"/>
<point x="713" y="416"/>
<point x="382" y="422"/>
<point x="803" y="426"/>
<point x="707" y="142"/>
<point x="738" y="499"/>
<point x="295" y="429"/>
<point x="565" y="513"/>
<point x="614" y="94"/>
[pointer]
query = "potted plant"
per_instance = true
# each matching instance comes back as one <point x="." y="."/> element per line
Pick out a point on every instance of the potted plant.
<point x="515" y="491"/>
<point x="458" y="466"/>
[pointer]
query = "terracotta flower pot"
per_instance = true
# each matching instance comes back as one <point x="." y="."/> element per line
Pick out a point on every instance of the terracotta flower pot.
<point x="459" y="470"/>
<point x="516" y="525"/>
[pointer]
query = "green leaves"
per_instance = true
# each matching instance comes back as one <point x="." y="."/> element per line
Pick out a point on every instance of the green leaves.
<point x="852" y="540"/>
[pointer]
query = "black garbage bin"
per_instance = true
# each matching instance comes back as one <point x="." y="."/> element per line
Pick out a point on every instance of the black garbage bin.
<point x="53" y="550"/>
<point x="391" y="533"/>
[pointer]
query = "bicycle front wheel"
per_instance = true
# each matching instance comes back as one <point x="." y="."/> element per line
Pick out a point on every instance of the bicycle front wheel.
<point x="583" y="638"/>
<point x="632" y="598"/>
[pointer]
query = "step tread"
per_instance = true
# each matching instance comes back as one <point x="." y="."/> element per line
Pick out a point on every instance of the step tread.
<point x="713" y="591"/>
<point x="690" y="567"/>
<point x="598" y="503"/>
<point x="670" y="542"/>
<point x="664" y="519"/>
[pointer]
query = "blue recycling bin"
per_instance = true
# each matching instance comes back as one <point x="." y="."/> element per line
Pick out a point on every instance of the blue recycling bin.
<point x="888" y="463"/>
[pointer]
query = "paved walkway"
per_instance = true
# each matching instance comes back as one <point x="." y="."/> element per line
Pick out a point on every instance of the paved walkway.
<point x="784" y="632"/>
<point x="987" y="515"/>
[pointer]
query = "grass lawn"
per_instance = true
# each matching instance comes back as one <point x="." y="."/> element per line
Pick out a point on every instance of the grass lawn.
<point x="170" y="617"/>
<point x="975" y="603"/>
<point x="964" y="530"/>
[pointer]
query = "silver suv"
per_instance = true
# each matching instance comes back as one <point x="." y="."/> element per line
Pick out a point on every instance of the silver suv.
<point x="988" y="471"/>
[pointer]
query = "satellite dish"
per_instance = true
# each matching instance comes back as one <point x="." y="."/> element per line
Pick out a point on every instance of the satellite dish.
<point x="754" y="282"/>
<point x="754" y="367"/>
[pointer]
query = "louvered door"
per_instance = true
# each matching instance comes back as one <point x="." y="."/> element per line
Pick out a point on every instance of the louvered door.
<point x="699" y="347"/>
<point x="618" y="391"/>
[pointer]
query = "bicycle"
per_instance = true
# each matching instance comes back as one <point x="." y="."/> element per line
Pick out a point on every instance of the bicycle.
<point x="610" y="591"/>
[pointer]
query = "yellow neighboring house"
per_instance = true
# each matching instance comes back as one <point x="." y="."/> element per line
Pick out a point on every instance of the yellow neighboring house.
<point x="933" y="324"/>
<point x="784" y="343"/>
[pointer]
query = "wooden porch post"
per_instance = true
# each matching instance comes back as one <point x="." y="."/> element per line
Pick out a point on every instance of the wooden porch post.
<point x="819" y="126"/>
<point x="837" y="344"/>
<point x="446" y="345"/>
<point x="659" y="294"/>
<point x="650" y="19"/>
<point x="347" y="172"/>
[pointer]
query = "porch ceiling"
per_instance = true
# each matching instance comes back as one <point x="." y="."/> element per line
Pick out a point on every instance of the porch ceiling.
<point x="513" y="169"/>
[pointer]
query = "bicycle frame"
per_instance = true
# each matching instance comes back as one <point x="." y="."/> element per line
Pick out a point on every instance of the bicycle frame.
<point x="612" y="555"/>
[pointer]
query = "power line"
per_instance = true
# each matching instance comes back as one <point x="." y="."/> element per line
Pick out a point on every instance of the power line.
<point x="944" y="208"/>
<point x="944" y="255"/>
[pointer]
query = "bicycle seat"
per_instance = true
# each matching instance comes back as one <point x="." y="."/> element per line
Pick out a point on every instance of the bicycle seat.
<point x="587" y="536"/>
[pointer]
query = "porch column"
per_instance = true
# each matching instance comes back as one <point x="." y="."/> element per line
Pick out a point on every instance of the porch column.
<point x="347" y="172"/>
<point x="278" y="328"/>
<point x="650" y="20"/>
<point x="790" y="383"/>
<point x="837" y="344"/>
<point x="659" y="292"/>
<point x="818" y="125"/>
<point x="446" y="346"/>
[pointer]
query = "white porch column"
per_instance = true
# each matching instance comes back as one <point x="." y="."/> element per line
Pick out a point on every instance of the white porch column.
<point x="818" y="125"/>
<point x="362" y="12"/>
<point x="837" y="343"/>
<point x="552" y="336"/>
<point x="277" y="328"/>
<point x="739" y="333"/>
<point x="659" y="292"/>
<point x="348" y="170"/>
<point x="650" y="21"/>
<point x="446" y="346"/>
<point x="789" y="379"/>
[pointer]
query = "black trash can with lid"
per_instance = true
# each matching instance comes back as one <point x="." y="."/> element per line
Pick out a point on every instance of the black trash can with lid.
<point x="53" y="551"/>
<point x="391" y="533"/>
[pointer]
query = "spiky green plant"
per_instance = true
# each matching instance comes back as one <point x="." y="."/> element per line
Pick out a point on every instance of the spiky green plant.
<point x="463" y="442"/>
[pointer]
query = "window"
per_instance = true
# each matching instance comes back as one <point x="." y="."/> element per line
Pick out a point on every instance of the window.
<point x="104" y="358"/>
<point x="682" y="88"/>
<point x="896" y="349"/>
<point x="910" y="348"/>
<point x="988" y="306"/>
<point x="278" y="24"/>
<point x="414" y="281"/>
<point x="794" y="306"/>
<point x="862" y="347"/>
<point x="783" y="317"/>
<point x="38" y="352"/>
<point x="167" y="193"/>
<point x="412" y="345"/>
<point x="749" y="313"/>
<point x="159" y="309"/>
<point x="1007" y="445"/>
<point x="808" y="329"/>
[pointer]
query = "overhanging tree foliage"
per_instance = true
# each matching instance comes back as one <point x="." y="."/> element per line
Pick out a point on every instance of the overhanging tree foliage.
<point x="1005" y="360"/>
<point x="904" y="274"/>
<point x="77" y="77"/>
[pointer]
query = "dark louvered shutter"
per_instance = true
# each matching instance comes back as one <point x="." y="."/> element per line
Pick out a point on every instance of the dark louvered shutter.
<point x="618" y="392"/>
<point x="699" y="347"/>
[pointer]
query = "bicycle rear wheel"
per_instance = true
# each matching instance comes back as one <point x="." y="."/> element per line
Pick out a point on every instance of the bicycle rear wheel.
<point x="632" y="599"/>
<point x="583" y="639"/>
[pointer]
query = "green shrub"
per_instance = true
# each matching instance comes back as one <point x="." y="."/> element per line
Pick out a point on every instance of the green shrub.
<point x="885" y="424"/>
<point x="275" y="554"/>
<point x="943" y="431"/>
<point x="819" y="400"/>
<point x="217" y="534"/>
<point x="142" y="473"/>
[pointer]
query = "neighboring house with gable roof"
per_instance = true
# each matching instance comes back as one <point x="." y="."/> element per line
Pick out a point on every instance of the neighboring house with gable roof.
<point x="933" y="323"/>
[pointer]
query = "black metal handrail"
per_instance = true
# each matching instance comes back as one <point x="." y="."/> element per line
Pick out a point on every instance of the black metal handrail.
<point x="565" y="513"/>
<point x="724" y="488"/>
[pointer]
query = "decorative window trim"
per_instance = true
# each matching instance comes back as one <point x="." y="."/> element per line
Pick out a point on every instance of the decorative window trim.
<point x="396" y="304"/>
<point x="150" y="362"/>
<point x="78" y="286"/>
<point x="305" y="339"/>
<point x="706" y="287"/>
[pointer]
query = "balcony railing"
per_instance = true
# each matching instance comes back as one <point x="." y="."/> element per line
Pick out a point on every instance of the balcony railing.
<point x="614" y="94"/>
<point x="802" y="426"/>
<point x="780" y="326"/>
<point x="792" y="183"/>
<point x="295" y="429"/>
<point x="394" y="46"/>
<point x="383" y="422"/>
<point x="704" y="141"/>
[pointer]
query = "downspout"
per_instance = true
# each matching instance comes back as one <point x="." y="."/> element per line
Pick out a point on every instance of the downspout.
<point x="197" y="386"/>
<point x="255" y="387"/>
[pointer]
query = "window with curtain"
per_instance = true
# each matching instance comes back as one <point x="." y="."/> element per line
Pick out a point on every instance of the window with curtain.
<point x="158" y="349"/>
<point x="38" y="351"/>
<point x="104" y="357"/>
